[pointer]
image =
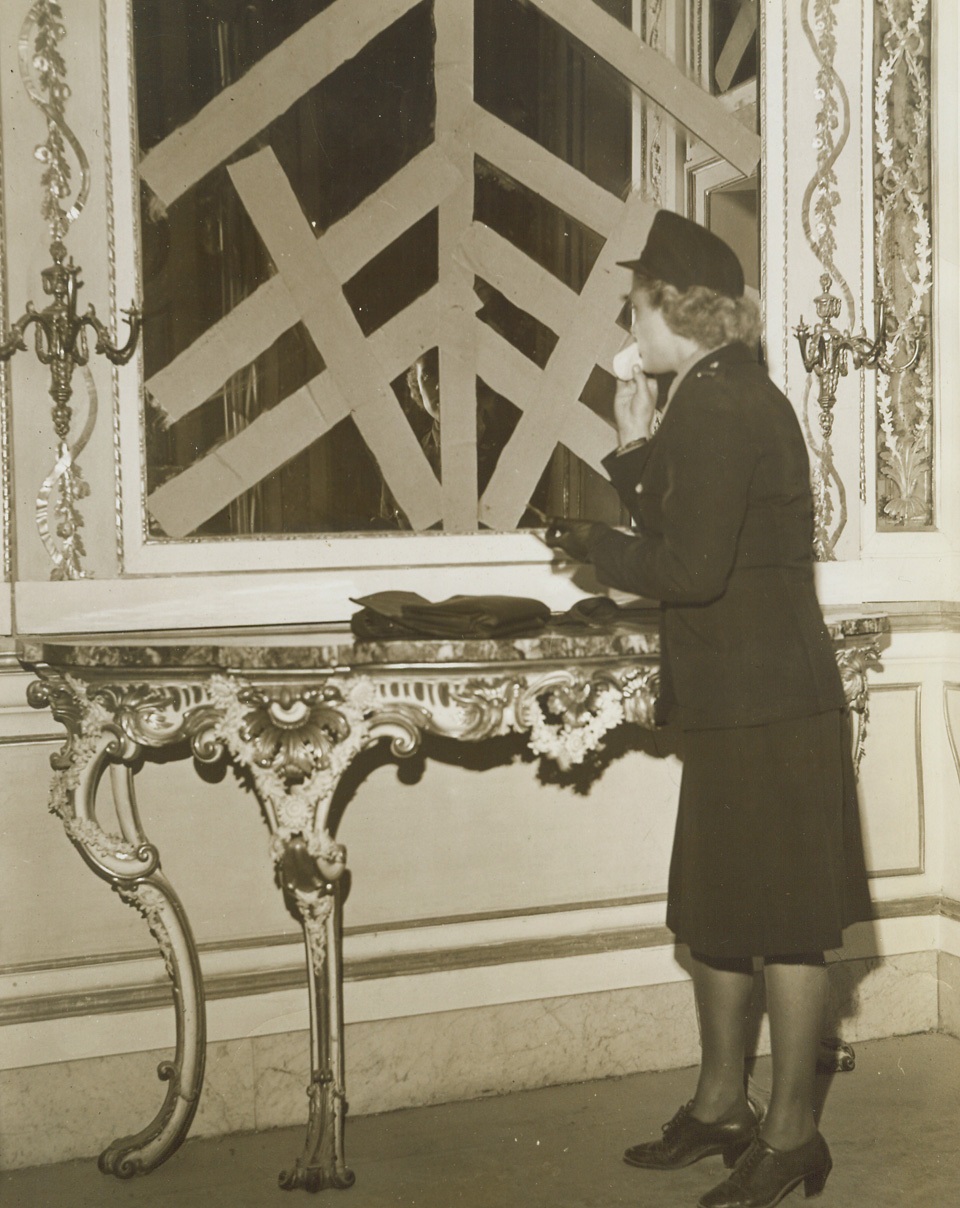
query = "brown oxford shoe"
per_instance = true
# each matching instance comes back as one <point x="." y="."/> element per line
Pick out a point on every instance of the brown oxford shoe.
<point x="686" y="1140"/>
<point x="763" y="1176"/>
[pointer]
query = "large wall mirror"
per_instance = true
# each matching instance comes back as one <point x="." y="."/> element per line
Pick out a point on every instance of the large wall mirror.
<point x="375" y="245"/>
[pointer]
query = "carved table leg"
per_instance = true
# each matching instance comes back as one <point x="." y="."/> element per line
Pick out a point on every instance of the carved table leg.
<point x="296" y="741"/>
<point x="131" y="865"/>
<point x="322" y="1163"/>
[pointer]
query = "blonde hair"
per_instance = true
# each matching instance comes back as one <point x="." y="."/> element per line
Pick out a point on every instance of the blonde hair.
<point x="701" y="314"/>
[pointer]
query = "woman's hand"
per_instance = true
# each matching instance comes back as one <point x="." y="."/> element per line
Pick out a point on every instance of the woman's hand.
<point x="633" y="406"/>
<point x="572" y="537"/>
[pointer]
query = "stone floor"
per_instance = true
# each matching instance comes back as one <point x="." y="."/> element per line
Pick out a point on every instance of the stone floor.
<point x="893" y="1126"/>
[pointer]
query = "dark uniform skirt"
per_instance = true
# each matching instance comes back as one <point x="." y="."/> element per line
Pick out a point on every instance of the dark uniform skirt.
<point x="768" y="855"/>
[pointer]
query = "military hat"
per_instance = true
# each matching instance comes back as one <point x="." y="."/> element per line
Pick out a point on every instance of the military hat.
<point x="685" y="254"/>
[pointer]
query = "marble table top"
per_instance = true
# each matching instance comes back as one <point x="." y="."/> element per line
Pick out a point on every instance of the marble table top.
<point x="335" y="648"/>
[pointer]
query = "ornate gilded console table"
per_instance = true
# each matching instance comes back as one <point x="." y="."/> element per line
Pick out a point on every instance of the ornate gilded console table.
<point x="292" y="708"/>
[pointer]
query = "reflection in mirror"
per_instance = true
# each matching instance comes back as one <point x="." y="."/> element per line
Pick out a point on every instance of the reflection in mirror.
<point x="733" y="43"/>
<point x="337" y="143"/>
<point x="718" y="196"/>
<point x="731" y="212"/>
<point x="301" y="176"/>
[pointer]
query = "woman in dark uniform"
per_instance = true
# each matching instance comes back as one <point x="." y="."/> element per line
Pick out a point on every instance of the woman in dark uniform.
<point x="767" y="859"/>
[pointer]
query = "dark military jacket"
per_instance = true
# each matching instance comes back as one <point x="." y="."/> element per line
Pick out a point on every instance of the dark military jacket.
<point x="720" y="495"/>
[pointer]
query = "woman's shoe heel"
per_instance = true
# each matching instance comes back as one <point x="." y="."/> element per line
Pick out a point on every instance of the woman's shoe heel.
<point x="733" y="1153"/>
<point x="815" y="1181"/>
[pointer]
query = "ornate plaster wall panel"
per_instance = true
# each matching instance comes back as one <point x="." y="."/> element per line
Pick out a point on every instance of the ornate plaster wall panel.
<point x="5" y="559"/>
<point x="852" y="144"/>
<point x="658" y="144"/>
<point x="828" y="212"/>
<point x="814" y="223"/>
<point x="52" y="124"/>
<point x="951" y="713"/>
<point x="891" y="782"/>
<point x="65" y="187"/>
<point x="902" y="185"/>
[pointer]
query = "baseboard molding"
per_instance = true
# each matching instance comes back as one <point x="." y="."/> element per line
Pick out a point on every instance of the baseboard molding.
<point x="137" y="982"/>
<point x="64" y="1014"/>
<point x="948" y="987"/>
<point x="217" y="986"/>
<point x="73" y="1108"/>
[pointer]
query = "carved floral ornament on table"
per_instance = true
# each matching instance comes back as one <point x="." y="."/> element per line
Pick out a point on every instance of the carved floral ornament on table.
<point x="60" y="332"/>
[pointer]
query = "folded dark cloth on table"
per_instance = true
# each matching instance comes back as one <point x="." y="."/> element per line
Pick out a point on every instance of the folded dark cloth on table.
<point x="404" y="614"/>
<point x="600" y="612"/>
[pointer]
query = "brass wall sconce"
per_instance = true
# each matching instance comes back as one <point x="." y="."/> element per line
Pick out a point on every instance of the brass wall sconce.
<point x="61" y="340"/>
<point x="826" y="350"/>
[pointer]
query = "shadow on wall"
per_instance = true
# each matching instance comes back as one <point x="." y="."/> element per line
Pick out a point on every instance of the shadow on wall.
<point x="501" y="752"/>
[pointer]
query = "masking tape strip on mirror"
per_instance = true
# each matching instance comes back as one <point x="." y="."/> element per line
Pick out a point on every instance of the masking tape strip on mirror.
<point x="421" y="185"/>
<point x="273" y="207"/>
<point x="563" y="380"/>
<point x="267" y="90"/>
<point x="183" y="503"/>
<point x="507" y="371"/>
<point x="187" y="382"/>
<point x="260" y="319"/>
<point x="657" y="78"/>
<point x="457" y="327"/>
<point x="736" y="45"/>
<point x="328" y="40"/>
<point x="537" y="169"/>
<point x="521" y="280"/>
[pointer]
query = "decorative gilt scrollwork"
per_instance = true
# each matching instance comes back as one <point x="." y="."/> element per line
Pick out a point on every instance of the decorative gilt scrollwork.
<point x="825" y="349"/>
<point x="488" y="706"/>
<point x="296" y="743"/>
<point x="315" y="910"/>
<point x="150" y="903"/>
<point x="152" y="715"/>
<point x="903" y="253"/>
<point x="63" y="701"/>
<point x="321" y="1165"/>
<point x="640" y="687"/>
<point x="566" y="711"/>
<point x="157" y="902"/>
<point x="294" y="730"/>
<point x="854" y="662"/>
<point x="101" y="724"/>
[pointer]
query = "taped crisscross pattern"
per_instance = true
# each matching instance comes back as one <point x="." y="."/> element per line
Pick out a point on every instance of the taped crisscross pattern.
<point x="311" y="271"/>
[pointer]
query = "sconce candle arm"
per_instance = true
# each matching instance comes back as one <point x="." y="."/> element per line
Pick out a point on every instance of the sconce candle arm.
<point x="60" y="332"/>
<point x="15" y="340"/>
<point x="114" y="354"/>
<point x="826" y="350"/>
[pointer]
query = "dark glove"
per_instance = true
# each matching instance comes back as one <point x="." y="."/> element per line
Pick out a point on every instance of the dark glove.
<point x="572" y="537"/>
